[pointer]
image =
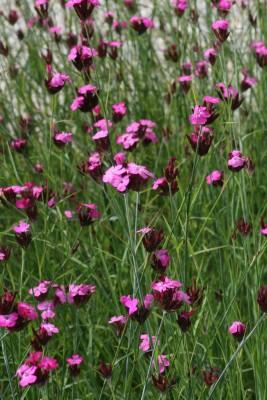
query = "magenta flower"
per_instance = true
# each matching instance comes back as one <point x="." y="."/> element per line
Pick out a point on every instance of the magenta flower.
<point x="210" y="54"/>
<point x="87" y="213"/>
<point x="118" y="112"/>
<point x="184" y="321"/>
<point x="62" y="138"/>
<point x="128" y="140"/>
<point x="220" y="29"/>
<point x="46" y="307"/>
<point x="185" y="82"/>
<point x="235" y="161"/>
<point x="163" y="363"/>
<point x="145" y="342"/>
<point x="9" y="320"/>
<point x="263" y="227"/>
<point x="140" y="24"/>
<point x="119" y="322"/>
<point x="26" y="311"/>
<point x="20" y="145"/>
<point x="165" y="284"/>
<point x="200" y="115"/>
<point x="248" y="81"/>
<point x="215" y="178"/>
<point x="137" y="313"/>
<point x="49" y="328"/>
<point x="83" y="8"/>
<point x="75" y="360"/>
<point x="201" y="142"/>
<point x="237" y="329"/>
<point x="26" y="374"/>
<point x="54" y="83"/>
<point x="82" y="56"/>
<point x="86" y="100"/>
<point x="48" y="364"/>
<point x="23" y="227"/>
<point x="161" y="260"/>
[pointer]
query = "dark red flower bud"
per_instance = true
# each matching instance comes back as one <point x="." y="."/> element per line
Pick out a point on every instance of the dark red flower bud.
<point x="243" y="227"/>
<point x="184" y="321"/>
<point x="210" y="376"/>
<point x="262" y="298"/>
<point x="105" y="369"/>
<point x="195" y="294"/>
<point x="152" y="239"/>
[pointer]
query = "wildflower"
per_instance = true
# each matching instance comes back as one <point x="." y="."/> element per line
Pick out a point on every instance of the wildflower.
<point x="46" y="307"/>
<point x="152" y="238"/>
<point x="235" y="161"/>
<point x="215" y="178"/>
<point x="83" y="8"/>
<point x="180" y="6"/>
<point x="201" y="70"/>
<point x="200" y="115"/>
<point x="195" y="294"/>
<point x="243" y="227"/>
<point x="40" y="292"/>
<point x="74" y="363"/>
<point x="171" y="53"/>
<point x="118" y="112"/>
<point x="201" y="141"/>
<point x="119" y="322"/>
<point x="237" y="329"/>
<point x="102" y="141"/>
<point x="209" y="102"/>
<point x="185" y="82"/>
<point x="48" y="364"/>
<point x="210" y="376"/>
<point x="162" y="384"/>
<point x="248" y="81"/>
<point x="77" y="294"/>
<point x="163" y="363"/>
<point x="184" y="321"/>
<point x="145" y="342"/>
<point x="27" y="375"/>
<point x="167" y="295"/>
<point x="220" y="29"/>
<point x="263" y="227"/>
<point x="49" y="328"/>
<point x="87" y="213"/>
<point x="137" y="313"/>
<point x="210" y="54"/>
<point x="61" y="138"/>
<point x="82" y="56"/>
<point x="54" y="83"/>
<point x="138" y="176"/>
<point x="9" y="320"/>
<point x="262" y="298"/>
<point x="128" y="140"/>
<point x="23" y="237"/>
<point x="140" y="24"/>
<point x="229" y="94"/>
<point x="161" y="260"/>
<point x="113" y="49"/>
<point x="86" y="100"/>
<point x="20" y="145"/>
<point x="105" y="369"/>
<point x="5" y="253"/>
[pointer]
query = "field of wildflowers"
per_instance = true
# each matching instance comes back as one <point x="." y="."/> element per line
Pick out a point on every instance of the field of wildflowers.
<point x="133" y="213"/>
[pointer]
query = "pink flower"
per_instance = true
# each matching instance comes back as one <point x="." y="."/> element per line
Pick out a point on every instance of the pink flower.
<point x="145" y="342"/>
<point x="237" y="329"/>
<point x="55" y="29"/>
<point x="58" y="80"/>
<point x="200" y="115"/>
<point x="162" y="362"/>
<point x="23" y="227"/>
<point x="235" y="161"/>
<point x="46" y="307"/>
<point x="9" y="320"/>
<point x="69" y="214"/>
<point x="50" y="328"/>
<point x="148" y="300"/>
<point x="130" y="304"/>
<point x="221" y="24"/>
<point x="140" y="170"/>
<point x="26" y="311"/>
<point x="128" y="140"/>
<point x="62" y="138"/>
<point x="215" y="178"/>
<point x="75" y="360"/>
<point x="115" y="319"/>
<point x="162" y="286"/>
<point x="27" y="375"/>
<point x="48" y="364"/>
